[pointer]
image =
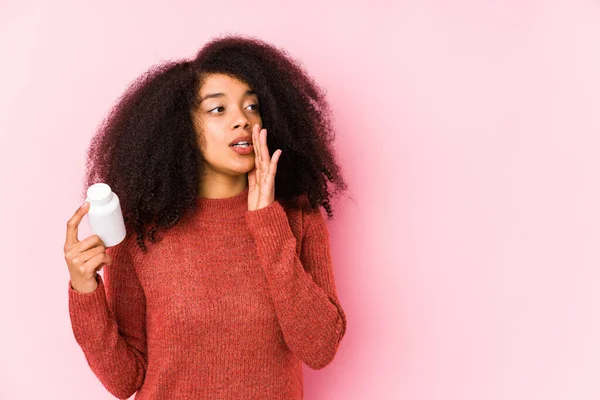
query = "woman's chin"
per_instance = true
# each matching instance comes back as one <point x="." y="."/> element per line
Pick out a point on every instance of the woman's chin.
<point x="243" y="168"/>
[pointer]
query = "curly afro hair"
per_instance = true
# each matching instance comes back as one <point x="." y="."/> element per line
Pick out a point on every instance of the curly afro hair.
<point x="146" y="148"/>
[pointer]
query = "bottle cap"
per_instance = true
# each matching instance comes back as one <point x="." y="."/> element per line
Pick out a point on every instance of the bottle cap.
<point x="98" y="194"/>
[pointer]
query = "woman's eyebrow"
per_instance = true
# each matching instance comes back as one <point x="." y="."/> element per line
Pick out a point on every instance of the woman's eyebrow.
<point x="214" y="95"/>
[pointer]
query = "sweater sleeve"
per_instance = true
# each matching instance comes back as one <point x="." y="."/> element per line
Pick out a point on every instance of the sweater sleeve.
<point x="109" y="325"/>
<point x="303" y="288"/>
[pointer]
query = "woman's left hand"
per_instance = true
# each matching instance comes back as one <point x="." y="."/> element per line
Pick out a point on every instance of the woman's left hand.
<point x="261" y="180"/>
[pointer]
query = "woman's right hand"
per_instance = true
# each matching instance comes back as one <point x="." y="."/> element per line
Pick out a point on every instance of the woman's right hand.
<point x="84" y="258"/>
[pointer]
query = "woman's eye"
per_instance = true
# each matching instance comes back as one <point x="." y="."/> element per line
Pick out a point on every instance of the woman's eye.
<point x="215" y="109"/>
<point x="251" y="105"/>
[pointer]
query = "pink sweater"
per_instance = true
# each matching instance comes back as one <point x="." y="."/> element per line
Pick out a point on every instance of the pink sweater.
<point x="227" y="306"/>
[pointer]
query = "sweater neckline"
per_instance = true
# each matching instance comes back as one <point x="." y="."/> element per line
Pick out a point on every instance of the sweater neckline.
<point x="225" y="208"/>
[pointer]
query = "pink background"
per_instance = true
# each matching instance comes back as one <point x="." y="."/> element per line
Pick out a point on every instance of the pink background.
<point x="468" y="131"/>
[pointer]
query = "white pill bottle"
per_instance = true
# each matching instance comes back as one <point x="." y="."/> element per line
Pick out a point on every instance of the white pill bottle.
<point x="105" y="216"/>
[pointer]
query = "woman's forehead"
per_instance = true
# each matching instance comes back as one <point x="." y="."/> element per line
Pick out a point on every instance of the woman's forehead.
<point x="220" y="85"/>
<point x="218" y="80"/>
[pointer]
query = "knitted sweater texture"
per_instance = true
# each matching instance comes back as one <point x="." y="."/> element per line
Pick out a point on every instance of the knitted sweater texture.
<point x="228" y="305"/>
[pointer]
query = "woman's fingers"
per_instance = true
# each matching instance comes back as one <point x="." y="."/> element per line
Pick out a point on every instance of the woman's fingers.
<point x="83" y="263"/>
<point x="256" y="148"/>
<point x="73" y="225"/>
<point x="251" y="177"/>
<point x="265" y="158"/>
<point x="254" y="141"/>
<point x="273" y="165"/>
<point x="262" y="159"/>
<point x="257" y="157"/>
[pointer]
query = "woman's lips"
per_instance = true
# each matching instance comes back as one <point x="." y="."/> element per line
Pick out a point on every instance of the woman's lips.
<point x="242" y="150"/>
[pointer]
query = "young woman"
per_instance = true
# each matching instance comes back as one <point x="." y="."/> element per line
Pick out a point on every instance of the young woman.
<point x="237" y="291"/>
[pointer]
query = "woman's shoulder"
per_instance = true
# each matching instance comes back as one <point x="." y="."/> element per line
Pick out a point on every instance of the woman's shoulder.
<point x="296" y="202"/>
<point x="296" y="205"/>
<point x="128" y="248"/>
<point x="299" y="211"/>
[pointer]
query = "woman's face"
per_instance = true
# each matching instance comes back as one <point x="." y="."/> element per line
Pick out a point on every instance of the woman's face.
<point x="228" y="109"/>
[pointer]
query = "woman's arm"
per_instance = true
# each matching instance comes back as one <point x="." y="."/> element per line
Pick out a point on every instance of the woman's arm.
<point x="109" y="325"/>
<point x="303" y="288"/>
